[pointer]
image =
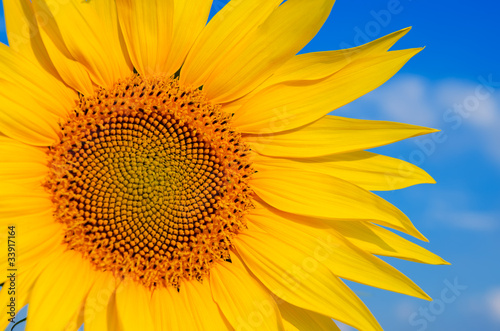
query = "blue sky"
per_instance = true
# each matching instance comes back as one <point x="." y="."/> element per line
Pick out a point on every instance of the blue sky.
<point x="453" y="85"/>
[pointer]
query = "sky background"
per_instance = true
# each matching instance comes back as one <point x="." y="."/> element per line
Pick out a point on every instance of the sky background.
<point x="452" y="85"/>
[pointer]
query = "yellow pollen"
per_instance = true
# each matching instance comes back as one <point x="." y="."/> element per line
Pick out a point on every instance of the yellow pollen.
<point x="150" y="181"/>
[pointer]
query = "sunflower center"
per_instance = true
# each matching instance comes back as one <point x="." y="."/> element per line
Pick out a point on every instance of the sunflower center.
<point x="150" y="181"/>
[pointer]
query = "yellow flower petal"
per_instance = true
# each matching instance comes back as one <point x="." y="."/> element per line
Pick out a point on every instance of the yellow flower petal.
<point x="191" y="296"/>
<point x="299" y="279"/>
<point x="26" y="277"/>
<point x="291" y="105"/>
<point x="147" y="30"/>
<point x="55" y="288"/>
<point x="100" y="297"/>
<point x="22" y="118"/>
<point x="243" y="67"/>
<point x="89" y="36"/>
<point x="317" y="65"/>
<point x="30" y="79"/>
<point x="72" y="72"/>
<point x="336" y="253"/>
<point x="133" y="314"/>
<point x="298" y="319"/>
<point x="244" y="302"/>
<point x="17" y="201"/>
<point x="228" y="28"/>
<point x="331" y="135"/>
<point x="21" y="163"/>
<point x="23" y="33"/>
<point x="190" y="17"/>
<point x="370" y="171"/>
<point x="167" y="314"/>
<point x="322" y="196"/>
<point x="380" y="241"/>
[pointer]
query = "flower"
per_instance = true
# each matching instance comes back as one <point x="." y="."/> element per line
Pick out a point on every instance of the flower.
<point x="161" y="173"/>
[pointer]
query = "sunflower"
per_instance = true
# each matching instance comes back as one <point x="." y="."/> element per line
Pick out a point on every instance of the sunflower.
<point x="164" y="173"/>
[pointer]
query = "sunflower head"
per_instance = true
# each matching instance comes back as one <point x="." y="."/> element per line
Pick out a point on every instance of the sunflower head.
<point x="165" y="173"/>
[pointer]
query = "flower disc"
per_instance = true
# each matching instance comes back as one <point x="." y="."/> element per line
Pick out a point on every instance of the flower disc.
<point x="150" y="181"/>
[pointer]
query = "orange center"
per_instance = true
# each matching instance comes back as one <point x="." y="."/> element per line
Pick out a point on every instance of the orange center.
<point x="150" y="181"/>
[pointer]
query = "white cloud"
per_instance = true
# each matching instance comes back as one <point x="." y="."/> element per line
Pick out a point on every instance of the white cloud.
<point x="493" y="302"/>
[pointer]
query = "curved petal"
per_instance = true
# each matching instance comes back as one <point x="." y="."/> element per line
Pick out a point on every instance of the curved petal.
<point x="341" y="257"/>
<point x="55" y="288"/>
<point x="245" y="303"/>
<point x="30" y="79"/>
<point x="25" y="280"/>
<point x="299" y="319"/>
<point x="379" y="241"/>
<point x="243" y="67"/>
<point x="99" y="303"/>
<point x="370" y="171"/>
<point x="301" y="280"/>
<point x="333" y="135"/>
<point x="318" y="65"/>
<point x="229" y="27"/>
<point x="291" y="105"/>
<point x="190" y="17"/>
<point x="202" y="313"/>
<point x="132" y="305"/>
<point x="323" y="196"/>
<point x="167" y="313"/>
<point x="21" y="163"/>
<point x="22" y="118"/>
<point x="73" y="73"/>
<point x="23" y="33"/>
<point x="91" y="35"/>
<point x="147" y="30"/>
<point x="18" y="201"/>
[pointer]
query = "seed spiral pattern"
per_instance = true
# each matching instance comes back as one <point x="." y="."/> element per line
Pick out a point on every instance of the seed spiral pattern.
<point x="150" y="181"/>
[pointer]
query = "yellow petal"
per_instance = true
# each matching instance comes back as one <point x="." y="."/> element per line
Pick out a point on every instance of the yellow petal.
<point x="22" y="172"/>
<point x="245" y="303"/>
<point x="147" y="30"/>
<point x="332" y="135"/>
<point x="18" y="201"/>
<point x="380" y="241"/>
<point x="14" y="151"/>
<point x="23" y="33"/>
<point x="301" y="280"/>
<point x="229" y="27"/>
<point x="22" y="118"/>
<point x="370" y="171"/>
<point x="312" y="66"/>
<point x="335" y="252"/>
<point x="132" y="305"/>
<point x="322" y="196"/>
<point x="305" y="320"/>
<point x="55" y="288"/>
<point x="167" y="313"/>
<point x="30" y="79"/>
<point x="25" y="280"/>
<point x="21" y="163"/>
<point x="291" y="105"/>
<point x="243" y="67"/>
<point x="193" y="295"/>
<point x="73" y="73"/>
<point x="190" y="17"/>
<point x="88" y="35"/>
<point x="97" y="304"/>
